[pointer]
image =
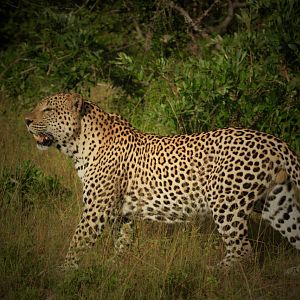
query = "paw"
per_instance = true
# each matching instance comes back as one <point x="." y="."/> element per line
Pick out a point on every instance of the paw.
<point x="222" y="267"/>
<point x="292" y="271"/>
<point x="68" y="266"/>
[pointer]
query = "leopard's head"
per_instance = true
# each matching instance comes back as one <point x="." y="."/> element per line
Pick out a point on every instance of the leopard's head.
<point x="55" y="120"/>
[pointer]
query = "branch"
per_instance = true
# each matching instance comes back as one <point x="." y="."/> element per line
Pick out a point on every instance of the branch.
<point x="221" y="28"/>
<point x="205" y="14"/>
<point x="147" y="38"/>
<point x="138" y="29"/>
<point x="186" y="16"/>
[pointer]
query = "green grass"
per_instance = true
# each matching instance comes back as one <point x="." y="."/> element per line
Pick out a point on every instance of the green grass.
<point x="166" y="262"/>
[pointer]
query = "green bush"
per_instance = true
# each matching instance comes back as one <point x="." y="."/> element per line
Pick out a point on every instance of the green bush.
<point x="248" y="79"/>
<point x="50" y="48"/>
<point x="232" y="88"/>
<point x="28" y="186"/>
<point x="247" y="75"/>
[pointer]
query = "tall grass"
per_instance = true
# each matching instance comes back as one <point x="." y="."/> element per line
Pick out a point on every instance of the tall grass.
<point x="165" y="262"/>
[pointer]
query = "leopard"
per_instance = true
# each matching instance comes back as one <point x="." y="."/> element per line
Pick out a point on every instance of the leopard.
<point x="130" y="175"/>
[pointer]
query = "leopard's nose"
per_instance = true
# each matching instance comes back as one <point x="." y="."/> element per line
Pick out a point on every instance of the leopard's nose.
<point x="28" y="121"/>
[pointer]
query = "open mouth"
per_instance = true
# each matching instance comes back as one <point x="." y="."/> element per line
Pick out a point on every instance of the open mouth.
<point x="44" y="139"/>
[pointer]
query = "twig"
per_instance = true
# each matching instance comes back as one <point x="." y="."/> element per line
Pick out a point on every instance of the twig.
<point x="176" y="94"/>
<point x="205" y="14"/>
<point x="221" y="28"/>
<point x="14" y="62"/>
<point x="28" y="70"/>
<point x="138" y="30"/>
<point x="186" y="16"/>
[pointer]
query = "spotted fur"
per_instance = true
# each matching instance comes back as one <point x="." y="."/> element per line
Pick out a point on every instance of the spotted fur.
<point x="128" y="174"/>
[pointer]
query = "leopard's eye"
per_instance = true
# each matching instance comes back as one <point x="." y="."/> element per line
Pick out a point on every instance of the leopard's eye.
<point x="47" y="109"/>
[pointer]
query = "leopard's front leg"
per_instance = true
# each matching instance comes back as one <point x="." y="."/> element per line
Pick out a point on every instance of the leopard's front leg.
<point x="86" y="234"/>
<point x="102" y="200"/>
<point x="98" y="210"/>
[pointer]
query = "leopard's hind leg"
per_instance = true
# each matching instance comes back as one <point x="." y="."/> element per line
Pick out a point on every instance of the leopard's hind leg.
<point x="232" y="225"/>
<point x="282" y="211"/>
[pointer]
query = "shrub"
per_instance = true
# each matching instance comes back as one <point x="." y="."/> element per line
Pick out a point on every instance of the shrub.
<point x="244" y="75"/>
<point x="28" y="186"/>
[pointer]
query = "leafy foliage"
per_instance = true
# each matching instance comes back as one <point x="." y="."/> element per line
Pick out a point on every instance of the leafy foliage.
<point x="180" y="66"/>
<point x="68" y="47"/>
<point x="28" y="186"/>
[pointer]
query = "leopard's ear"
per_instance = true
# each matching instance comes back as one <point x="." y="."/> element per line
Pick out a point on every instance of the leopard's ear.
<point x="76" y="102"/>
